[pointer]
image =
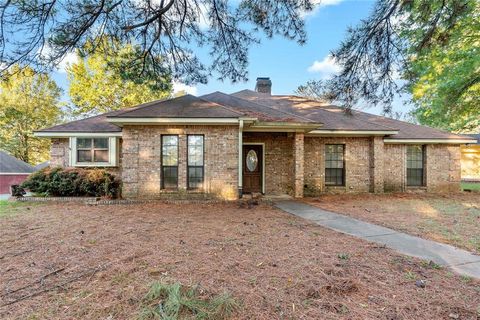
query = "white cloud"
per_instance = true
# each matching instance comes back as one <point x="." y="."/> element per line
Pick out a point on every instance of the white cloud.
<point x="326" y="67"/>
<point x="45" y="52"/>
<point x="178" y="87"/>
<point x="69" y="59"/>
<point x="318" y="4"/>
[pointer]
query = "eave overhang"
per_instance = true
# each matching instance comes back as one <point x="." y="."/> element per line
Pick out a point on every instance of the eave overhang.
<point x="429" y="141"/>
<point x="260" y="126"/>
<point x="63" y="134"/>
<point x="177" y="121"/>
<point x="351" y="133"/>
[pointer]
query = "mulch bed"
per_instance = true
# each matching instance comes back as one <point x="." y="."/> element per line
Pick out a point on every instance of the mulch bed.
<point x="76" y="261"/>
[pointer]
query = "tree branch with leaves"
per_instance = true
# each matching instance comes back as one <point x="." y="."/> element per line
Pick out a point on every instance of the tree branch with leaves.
<point x="174" y="29"/>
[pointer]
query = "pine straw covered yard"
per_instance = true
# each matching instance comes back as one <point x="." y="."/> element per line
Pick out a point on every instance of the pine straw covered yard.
<point x="448" y="218"/>
<point x="98" y="262"/>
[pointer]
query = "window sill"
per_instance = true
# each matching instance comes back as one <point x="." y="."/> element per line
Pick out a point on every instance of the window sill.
<point x="177" y="190"/>
<point x="94" y="165"/>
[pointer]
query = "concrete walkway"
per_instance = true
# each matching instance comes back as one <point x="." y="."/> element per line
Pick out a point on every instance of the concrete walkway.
<point x="459" y="260"/>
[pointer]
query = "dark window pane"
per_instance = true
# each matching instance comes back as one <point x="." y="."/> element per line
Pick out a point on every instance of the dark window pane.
<point x="415" y="165"/>
<point x="195" y="177"/>
<point x="84" y="156"/>
<point x="195" y="161"/>
<point x="100" y="143"/>
<point x="334" y="160"/>
<point x="170" y="177"/>
<point x="83" y="143"/>
<point x="333" y="176"/>
<point x="100" y="155"/>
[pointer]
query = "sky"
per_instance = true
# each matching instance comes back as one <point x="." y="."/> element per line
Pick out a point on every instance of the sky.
<point x="286" y="62"/>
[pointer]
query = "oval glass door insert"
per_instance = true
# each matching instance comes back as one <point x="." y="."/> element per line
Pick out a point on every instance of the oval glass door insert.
<point x="252" y="160"/>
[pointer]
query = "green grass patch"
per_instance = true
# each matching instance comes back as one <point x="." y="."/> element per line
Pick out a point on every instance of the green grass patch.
<point x="472" y="186"/>
<point x="175" y="301"/>
<point x="12" y="208"/>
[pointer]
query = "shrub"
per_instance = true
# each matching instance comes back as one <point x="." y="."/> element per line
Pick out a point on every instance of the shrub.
<point x="71" y="182"/>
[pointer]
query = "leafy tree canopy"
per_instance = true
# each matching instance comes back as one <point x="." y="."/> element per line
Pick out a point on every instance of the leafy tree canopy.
<point x="161" y="28"/>
<point x="429" y="48"/>
<point x="99" y="83"/>
<point x="28" y="101"/>
<point x="445" y="79"/>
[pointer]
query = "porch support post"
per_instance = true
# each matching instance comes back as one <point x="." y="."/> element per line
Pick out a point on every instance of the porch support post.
<point x="240" y="158"/>
<point x="377" y="165"/>
<point x="298" y="158"/>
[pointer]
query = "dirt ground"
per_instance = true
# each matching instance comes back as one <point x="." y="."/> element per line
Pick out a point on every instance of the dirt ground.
<point x="71" y="261"/>
<point x="452" y="218"/>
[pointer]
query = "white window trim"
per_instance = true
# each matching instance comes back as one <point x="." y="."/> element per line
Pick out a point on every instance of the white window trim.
<point x="112" y="154"/>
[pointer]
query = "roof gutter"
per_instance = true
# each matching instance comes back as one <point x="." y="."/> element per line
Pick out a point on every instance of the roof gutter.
<point x="60" y="134"/>
<point x="176" y="121"/>
<point x="15" y="173"/>
<point x="429" y="141"/>
<point x="353" y="133"/>
<point x="282" y="127"/>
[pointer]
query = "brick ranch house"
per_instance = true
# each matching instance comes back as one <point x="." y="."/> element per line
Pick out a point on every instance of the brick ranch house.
<point x="227" y="145"/>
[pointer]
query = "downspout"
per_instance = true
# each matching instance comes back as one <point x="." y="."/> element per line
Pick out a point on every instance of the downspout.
<point x="240" y="158"/>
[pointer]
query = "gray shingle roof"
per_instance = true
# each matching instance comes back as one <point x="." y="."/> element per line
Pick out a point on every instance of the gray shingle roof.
<point x="252" y="109"/>
<point x="332" y="117"/>
<point x="10" y="164"/>
<point x="92" y="124"/>
<point x="187" y="106"/>
<point x="248" y="103"/>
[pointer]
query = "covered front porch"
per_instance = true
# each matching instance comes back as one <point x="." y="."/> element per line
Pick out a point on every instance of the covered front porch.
<point x="272" y="163"/>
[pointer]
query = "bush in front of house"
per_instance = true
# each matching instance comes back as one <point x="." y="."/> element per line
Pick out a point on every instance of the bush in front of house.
<point x="73" y="182"/>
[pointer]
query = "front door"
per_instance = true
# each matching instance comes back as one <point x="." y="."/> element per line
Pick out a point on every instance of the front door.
<point x="252" y="168"/>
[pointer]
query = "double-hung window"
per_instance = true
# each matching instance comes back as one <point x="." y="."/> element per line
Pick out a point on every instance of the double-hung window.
<point x="335" y="165"/>
<point x="195" y="161"/>
<point x="169" y="161"/>
<point x="92" y="150"/>
<point x="415" y="165"/>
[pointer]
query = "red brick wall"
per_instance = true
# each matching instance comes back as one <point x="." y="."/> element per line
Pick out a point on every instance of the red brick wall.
<point x="279" y="165"/>
<point x="142" y="163"/>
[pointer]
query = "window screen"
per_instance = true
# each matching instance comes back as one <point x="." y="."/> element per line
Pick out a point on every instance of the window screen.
<point x="195" y="161"/>
<point x="334" y="165"/>
<point x="169" y="161"/>
<point x="415" y="161"/>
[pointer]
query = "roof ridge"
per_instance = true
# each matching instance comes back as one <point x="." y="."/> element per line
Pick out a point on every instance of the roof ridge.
<point x="222" y="106"/>
<point x="269" y="107"/>
<point x="149" y="104"/>
<point x="146" y="104"/>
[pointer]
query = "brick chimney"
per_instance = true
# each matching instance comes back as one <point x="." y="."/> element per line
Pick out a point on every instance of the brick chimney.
<point x="264" y="85"/>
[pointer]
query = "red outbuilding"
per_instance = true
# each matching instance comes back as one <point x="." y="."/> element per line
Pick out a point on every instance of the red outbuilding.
<point x="12" y="171"/>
